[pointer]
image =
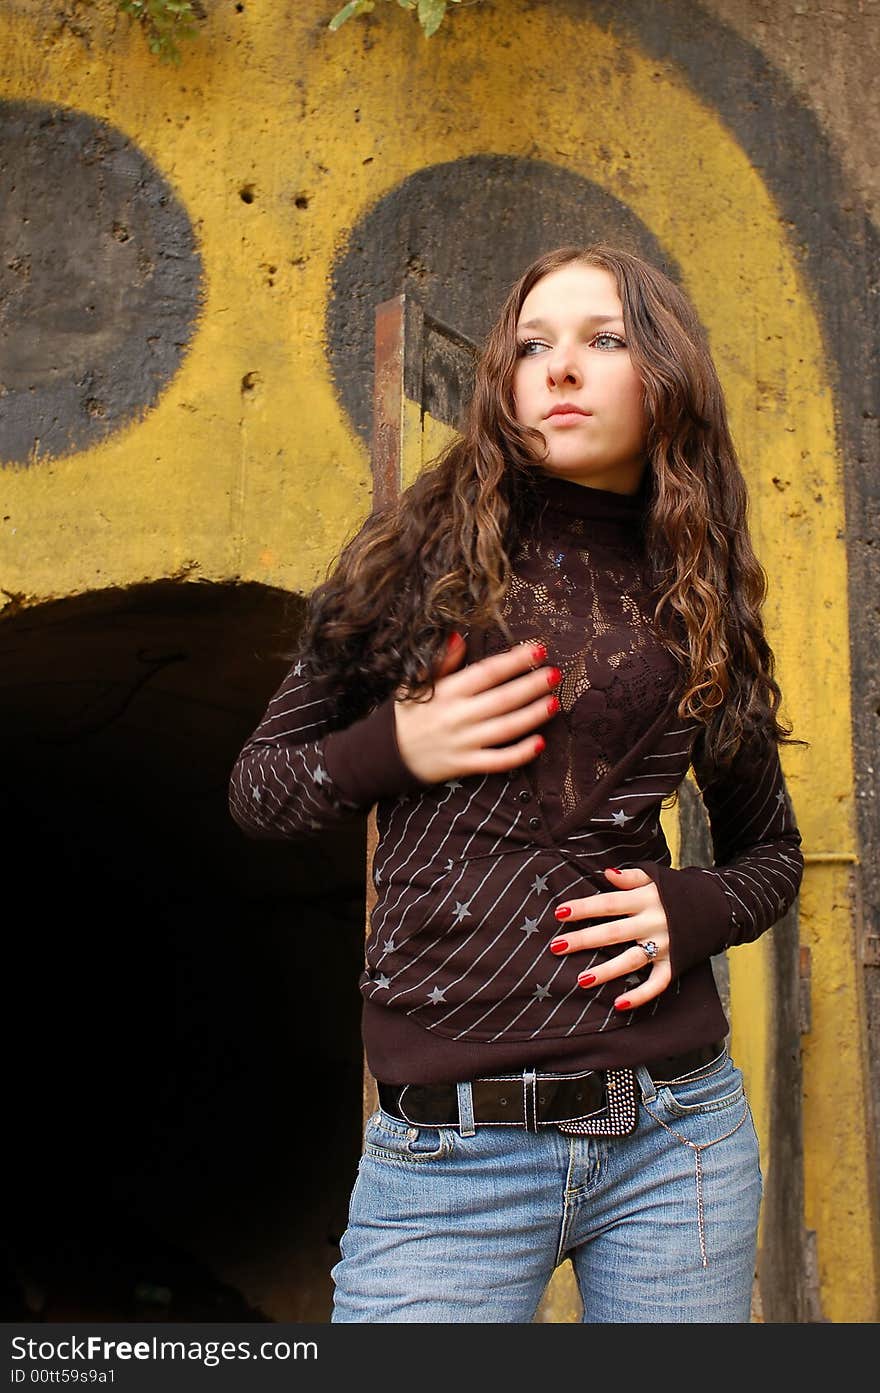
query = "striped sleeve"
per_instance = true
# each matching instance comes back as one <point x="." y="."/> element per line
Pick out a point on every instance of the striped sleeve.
<point x="303" y="771"/>
<point x="758" y="865"/>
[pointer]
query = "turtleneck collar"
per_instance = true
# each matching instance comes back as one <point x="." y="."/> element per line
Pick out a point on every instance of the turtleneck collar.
<point x="565" y="500"/>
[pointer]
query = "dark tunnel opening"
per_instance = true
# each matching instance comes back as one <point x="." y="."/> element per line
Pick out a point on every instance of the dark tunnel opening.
<point x="184" y="1089"/>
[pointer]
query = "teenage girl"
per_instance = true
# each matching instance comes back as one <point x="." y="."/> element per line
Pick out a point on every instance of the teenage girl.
<point x="517" y="664"/>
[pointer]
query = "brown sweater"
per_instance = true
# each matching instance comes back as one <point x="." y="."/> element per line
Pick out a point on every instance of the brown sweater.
<point x="459" y="980"/>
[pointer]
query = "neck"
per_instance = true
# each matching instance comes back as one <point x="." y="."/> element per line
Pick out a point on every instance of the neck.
<point x="577" y="503"/>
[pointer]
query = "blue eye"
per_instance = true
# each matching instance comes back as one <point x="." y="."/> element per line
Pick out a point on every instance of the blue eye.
<point x="611" y="341"/>
<point x="605" y="342"/>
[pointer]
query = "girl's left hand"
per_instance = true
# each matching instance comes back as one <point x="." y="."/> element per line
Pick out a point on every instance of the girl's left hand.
<point x="642" y="917"/>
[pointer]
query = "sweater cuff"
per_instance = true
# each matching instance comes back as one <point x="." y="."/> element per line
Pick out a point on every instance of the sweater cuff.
<point x="364" y="762"/>
<point x="697" y="913"/>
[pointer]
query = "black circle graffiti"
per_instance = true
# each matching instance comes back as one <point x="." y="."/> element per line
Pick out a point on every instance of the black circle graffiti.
<point x="100" y="281"/>
<point x="456" y="235"/>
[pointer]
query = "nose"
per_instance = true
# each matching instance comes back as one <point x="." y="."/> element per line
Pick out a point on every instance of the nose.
<point x="563" y="368"/>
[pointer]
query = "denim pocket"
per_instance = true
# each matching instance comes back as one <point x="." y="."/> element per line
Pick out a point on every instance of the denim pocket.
<point x="715" y="1087"/>
<point x="386" y="1138"/>
<point x="706" y="1107"/>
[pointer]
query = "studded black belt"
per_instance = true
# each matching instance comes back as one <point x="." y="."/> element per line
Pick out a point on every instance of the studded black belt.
<point x="597" y="1102"/>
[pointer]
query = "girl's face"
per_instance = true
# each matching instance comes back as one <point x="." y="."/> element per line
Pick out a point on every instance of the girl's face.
<point x="573" y="353"/>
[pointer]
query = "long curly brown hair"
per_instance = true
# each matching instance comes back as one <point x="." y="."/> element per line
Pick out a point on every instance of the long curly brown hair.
<point x="438" y="558"/>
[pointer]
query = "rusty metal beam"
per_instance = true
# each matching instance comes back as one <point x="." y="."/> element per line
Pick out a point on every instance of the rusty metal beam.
<point x="388" y="401"/>
<point x="388" y="388"/>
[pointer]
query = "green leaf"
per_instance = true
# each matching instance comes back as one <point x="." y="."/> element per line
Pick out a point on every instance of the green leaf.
<point x="354" y="7"/>
<point x="164" y="22"/>
<point x="431" y="14"/>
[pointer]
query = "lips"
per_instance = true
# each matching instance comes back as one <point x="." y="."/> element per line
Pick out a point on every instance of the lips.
<point x="566" y="408"/>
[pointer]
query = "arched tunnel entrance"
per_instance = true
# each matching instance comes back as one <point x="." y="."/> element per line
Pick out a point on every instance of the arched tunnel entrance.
<point x="183" y="1053"/>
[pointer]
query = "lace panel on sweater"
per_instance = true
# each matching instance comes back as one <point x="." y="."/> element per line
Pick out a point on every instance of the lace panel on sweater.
<point x="594" y="619"/>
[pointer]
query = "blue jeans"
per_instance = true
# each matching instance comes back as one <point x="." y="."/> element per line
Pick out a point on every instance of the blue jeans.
<point x="660" y="1225"/>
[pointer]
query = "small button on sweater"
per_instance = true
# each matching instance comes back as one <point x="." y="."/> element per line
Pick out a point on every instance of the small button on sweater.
<point x="458" y="978"/>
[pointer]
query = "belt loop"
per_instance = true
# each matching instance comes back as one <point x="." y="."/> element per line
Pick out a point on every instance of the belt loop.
<point x="466" y="1110"/>
<point x="646" y="1084"/>
<point x="530" y="1099"/>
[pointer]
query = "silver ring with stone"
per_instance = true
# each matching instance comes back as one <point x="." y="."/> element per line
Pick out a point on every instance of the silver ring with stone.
<point x="649" y="948"/>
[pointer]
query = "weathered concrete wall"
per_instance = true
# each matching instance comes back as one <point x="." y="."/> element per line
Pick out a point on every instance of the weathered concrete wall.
<point x="192" y="257"/>
<point x="827" y="52"/>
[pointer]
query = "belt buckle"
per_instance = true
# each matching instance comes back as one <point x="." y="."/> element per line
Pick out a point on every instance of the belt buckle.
<point x="621" y="1114"/>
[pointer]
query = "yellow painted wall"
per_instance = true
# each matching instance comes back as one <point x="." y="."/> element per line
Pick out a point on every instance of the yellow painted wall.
<point x="221" y="481"/>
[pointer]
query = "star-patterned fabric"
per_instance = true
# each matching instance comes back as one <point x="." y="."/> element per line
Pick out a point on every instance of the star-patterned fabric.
<point x="458" y="979"/>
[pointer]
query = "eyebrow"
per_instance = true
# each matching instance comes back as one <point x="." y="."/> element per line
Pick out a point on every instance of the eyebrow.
<point x="588" y="319"/>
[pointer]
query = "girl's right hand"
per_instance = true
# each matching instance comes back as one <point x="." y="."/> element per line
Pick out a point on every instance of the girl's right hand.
<point x="458" y="729"/>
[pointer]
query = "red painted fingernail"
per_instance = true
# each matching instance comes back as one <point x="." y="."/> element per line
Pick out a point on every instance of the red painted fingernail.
<point x="563" y="911"/>
<point x="540" y="744"/>
<point x="553" y="676"/>
<point x="615" y="870"/>
<point x="586" y="979"/>
<point x="553" y="706"/>
<point x="539" y="653"/>
<point x="559" y="945"/>
<point x="621" y="1005"/>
